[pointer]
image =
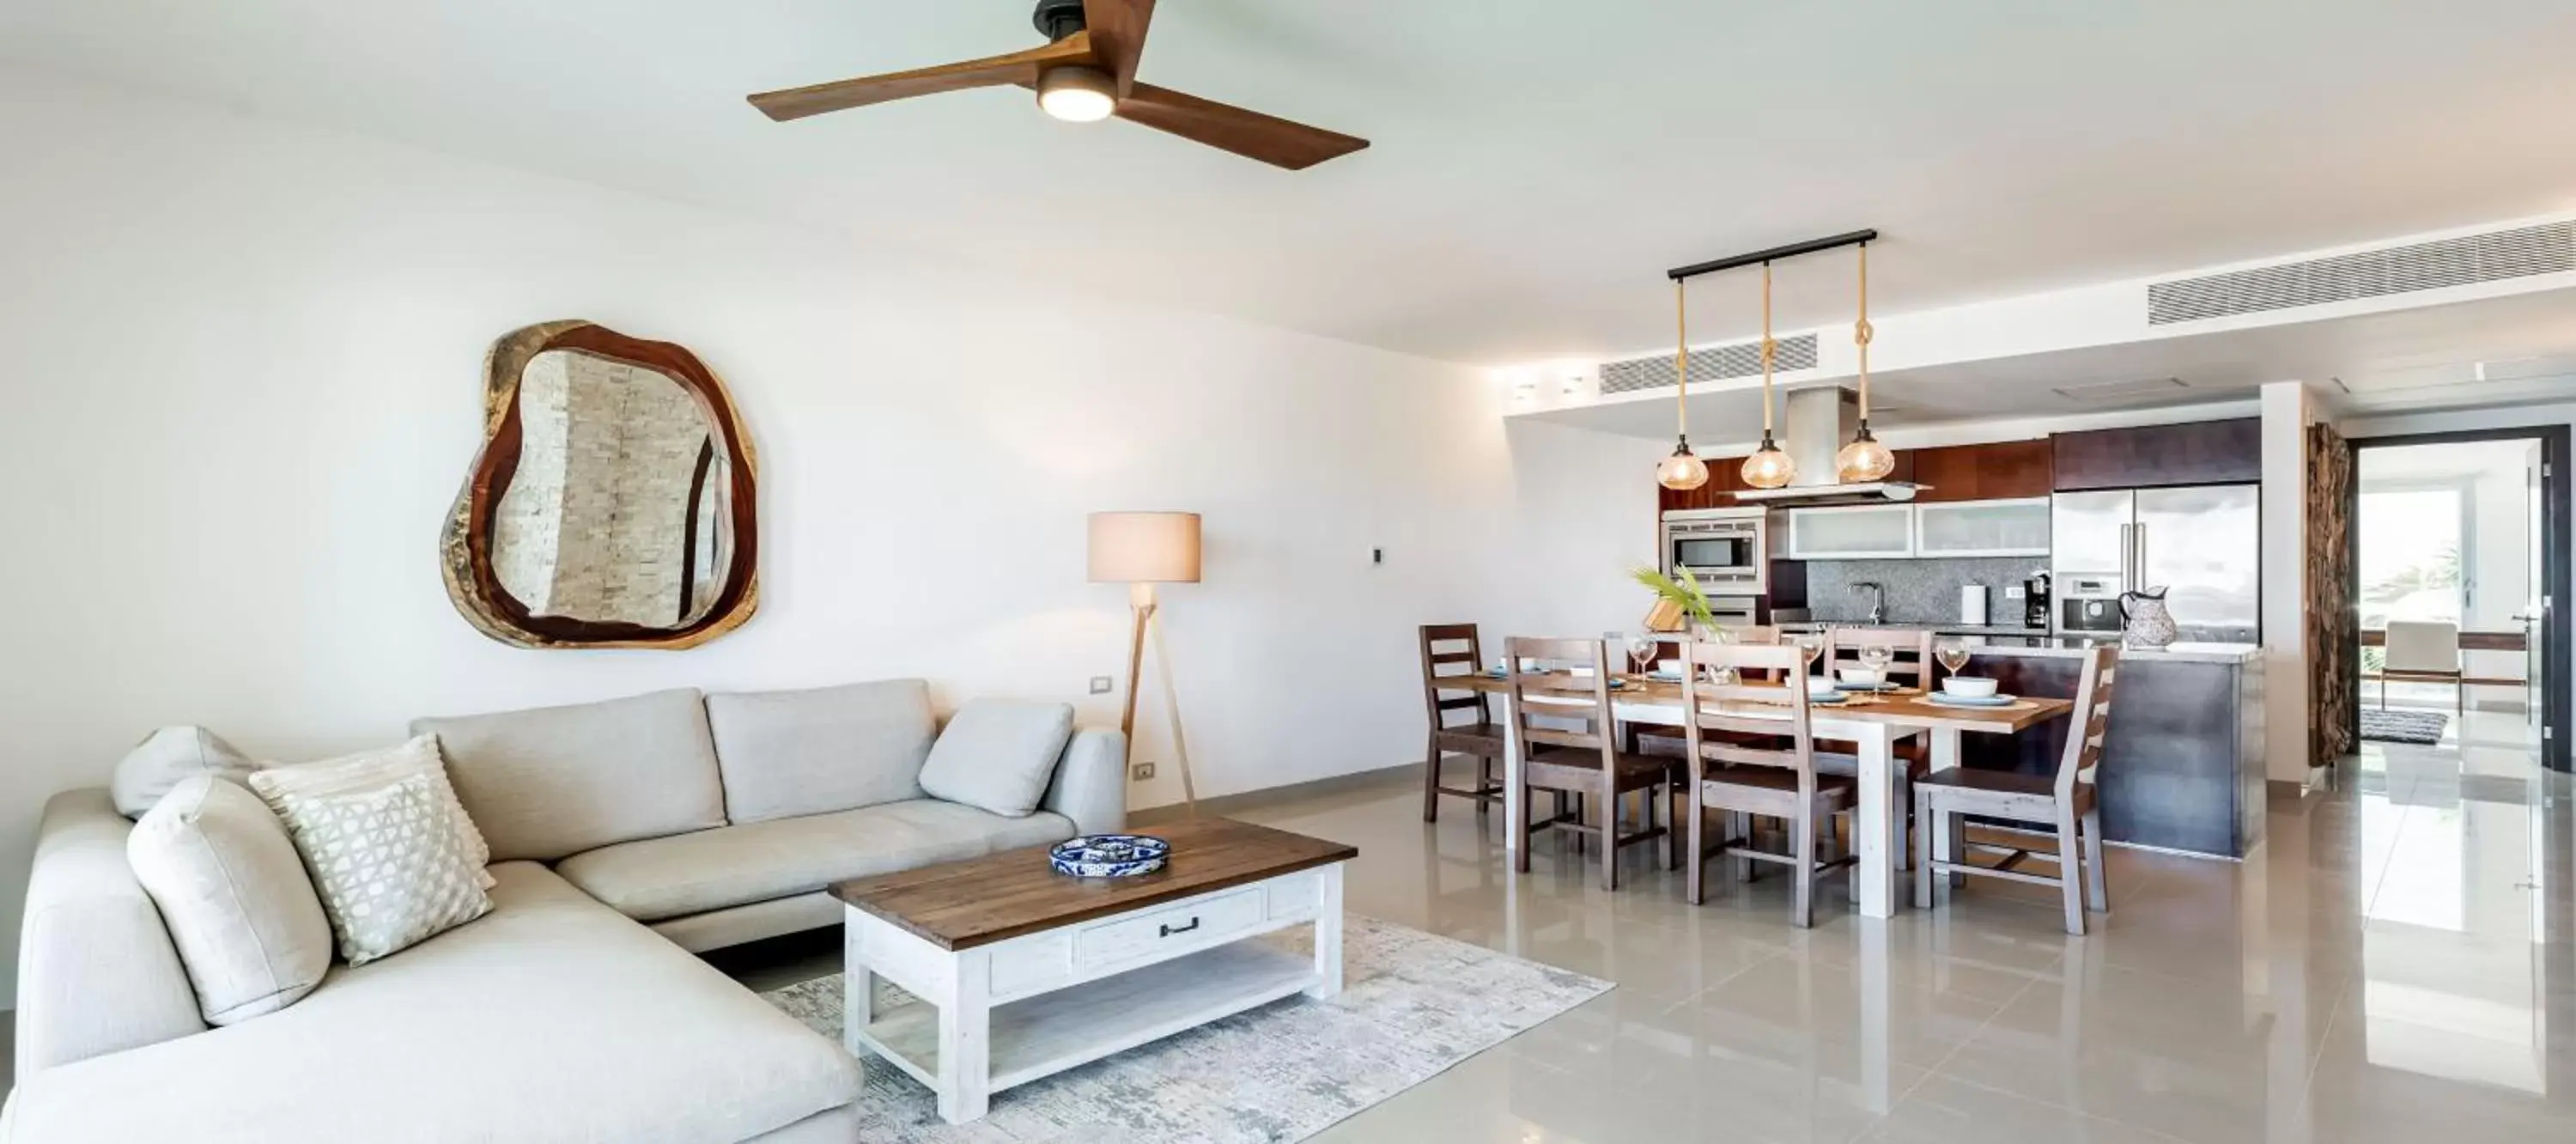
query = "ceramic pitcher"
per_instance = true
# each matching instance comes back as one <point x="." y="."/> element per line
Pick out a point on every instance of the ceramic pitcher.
<point x="2149" y="624"/>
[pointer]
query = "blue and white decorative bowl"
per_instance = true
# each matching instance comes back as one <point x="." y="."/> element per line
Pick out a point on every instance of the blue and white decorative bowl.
<point x="1109" y="855"/>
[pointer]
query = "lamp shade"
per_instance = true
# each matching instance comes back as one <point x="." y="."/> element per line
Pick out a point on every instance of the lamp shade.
<point x="1144" y="548"/>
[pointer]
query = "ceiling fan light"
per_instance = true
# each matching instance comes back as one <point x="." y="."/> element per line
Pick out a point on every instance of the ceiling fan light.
<point x="1683" y="471"/>
<point x="1077" y="93"/>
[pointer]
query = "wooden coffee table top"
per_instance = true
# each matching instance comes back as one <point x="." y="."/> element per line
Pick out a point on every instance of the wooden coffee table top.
<point x="961" y="905"/>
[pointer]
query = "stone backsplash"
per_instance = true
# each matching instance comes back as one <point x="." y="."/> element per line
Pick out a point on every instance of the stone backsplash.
<point x="1918" y="591"/>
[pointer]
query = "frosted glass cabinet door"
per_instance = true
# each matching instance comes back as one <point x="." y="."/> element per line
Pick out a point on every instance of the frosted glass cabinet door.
<point x="1982" y="528"/>
<point x="1871" y="530"/>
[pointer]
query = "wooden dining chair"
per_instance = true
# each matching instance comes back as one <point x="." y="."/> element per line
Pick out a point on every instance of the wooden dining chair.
<point x="1450" y="651"/>
<point x="2067" y="801"/>
<point x="1843" y="647"/>
<point x="1584" y="762"/>
<point x="1752" y="752"/>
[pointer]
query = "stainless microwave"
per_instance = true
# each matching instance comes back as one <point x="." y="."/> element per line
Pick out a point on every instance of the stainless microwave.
<point x="1726" y="549"/>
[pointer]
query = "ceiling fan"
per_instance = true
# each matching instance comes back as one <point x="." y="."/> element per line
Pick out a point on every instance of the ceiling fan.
<point x="1087" y="71"/>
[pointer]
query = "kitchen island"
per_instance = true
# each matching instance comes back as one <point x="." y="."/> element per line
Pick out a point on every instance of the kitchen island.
<point x="2182" y="763"/>
<point x="2182" y="759"/>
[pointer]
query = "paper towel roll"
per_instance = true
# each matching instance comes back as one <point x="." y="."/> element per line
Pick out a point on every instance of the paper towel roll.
<point x="1972" y="605"/>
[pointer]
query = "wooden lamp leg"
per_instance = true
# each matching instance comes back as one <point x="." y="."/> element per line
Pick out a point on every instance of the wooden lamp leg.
<point x="1172" y="710"/>
<point x="1140" y="602"/>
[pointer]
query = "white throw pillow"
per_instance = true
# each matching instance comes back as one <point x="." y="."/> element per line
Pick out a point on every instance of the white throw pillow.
<point x="167" y="756"/>
<point x="386" y="845"/>
<point x="369" y="769"/>
<point x="998" y="754"/>
<point x="249" y="929"/>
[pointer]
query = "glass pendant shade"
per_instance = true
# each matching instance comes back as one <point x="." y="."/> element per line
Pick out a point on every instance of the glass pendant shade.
<point x="1683" y="471"/>
<point x="1768" y="467"/>
<point x="1864" y="460"/>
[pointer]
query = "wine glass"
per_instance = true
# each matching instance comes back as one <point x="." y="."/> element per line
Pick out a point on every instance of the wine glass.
<point x="1953" y="654"/>
<point x="1809" y="645"/>
<point x="1642" y="649"/>
<point x="1876" y="657"/>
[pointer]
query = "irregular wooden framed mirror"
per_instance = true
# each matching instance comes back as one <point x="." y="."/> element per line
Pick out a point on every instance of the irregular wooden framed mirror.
<point x="613" y="502"/>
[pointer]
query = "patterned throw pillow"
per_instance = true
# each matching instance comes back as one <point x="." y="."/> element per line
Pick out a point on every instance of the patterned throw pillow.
<point x="387" y="859"/>
<point x="367" y="770"/>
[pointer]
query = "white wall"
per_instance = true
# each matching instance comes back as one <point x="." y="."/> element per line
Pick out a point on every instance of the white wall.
<point x="244" y="375"/>
<point x="2288" y="410"/>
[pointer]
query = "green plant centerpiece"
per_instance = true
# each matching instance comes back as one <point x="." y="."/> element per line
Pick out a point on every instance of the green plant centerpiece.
<point x="1684" y="593"/>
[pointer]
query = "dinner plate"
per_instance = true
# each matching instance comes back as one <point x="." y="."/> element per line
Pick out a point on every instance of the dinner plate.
<point x="1945" y="699"/>
<point x="1840" y="685"/>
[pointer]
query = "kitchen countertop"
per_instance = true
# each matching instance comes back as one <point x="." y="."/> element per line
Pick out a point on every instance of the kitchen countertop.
<point x="1939" y="629"/>
<point x="2231" y="653"/>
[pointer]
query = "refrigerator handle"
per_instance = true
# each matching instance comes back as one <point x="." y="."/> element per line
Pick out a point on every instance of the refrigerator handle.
<point x="2139" y="582"/>
<point x="2128" y="557"/>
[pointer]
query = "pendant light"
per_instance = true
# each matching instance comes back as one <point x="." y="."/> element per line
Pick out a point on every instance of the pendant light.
<point x="1683" y="471"/>
<point x="1768" y="467"/>
<point x="1864" y="460"/>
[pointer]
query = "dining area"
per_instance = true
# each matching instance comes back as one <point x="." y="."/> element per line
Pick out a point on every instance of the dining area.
<point x="1831" y="752"/>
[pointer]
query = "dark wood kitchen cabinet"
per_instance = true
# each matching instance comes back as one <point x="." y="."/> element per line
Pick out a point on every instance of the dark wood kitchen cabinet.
<point x="1997" y="470"/>
<point x="2152" y="456"/>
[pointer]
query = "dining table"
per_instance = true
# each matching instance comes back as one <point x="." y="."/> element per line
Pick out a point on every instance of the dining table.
<point x="1874" y="721"/>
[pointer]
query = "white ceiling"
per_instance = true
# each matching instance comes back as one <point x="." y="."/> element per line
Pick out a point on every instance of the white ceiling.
<point x="1537" y="164"/>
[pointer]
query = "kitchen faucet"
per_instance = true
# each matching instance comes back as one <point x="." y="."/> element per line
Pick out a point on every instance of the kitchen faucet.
<point x="1877" y="599"/>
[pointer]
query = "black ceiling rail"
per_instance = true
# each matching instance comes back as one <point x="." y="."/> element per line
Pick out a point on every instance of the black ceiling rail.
<point x="1774" y="254"/>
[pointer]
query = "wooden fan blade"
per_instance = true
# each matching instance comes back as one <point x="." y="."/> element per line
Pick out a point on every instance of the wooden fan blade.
<point x="1278" y="142"/>
<point x="992" y="71"/>
<point x="1118" y="36"/>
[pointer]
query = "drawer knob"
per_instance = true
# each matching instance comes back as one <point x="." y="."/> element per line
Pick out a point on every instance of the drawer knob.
<point x="1169" y="930"/>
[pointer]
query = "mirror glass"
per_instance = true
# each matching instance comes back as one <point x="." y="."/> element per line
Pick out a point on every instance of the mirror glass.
<point x="612" y="503"/>
<point x="617" y="512"/>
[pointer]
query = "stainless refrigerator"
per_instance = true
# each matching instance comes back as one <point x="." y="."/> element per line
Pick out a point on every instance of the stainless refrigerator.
<point x="2203" y="545"/>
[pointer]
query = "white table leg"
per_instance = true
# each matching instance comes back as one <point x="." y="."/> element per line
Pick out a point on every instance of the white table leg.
<point x="965" y="1045"/>
<point x="1328" y="935"/>
<point x="1873" y="827"/>
<point x="1877" y="1090"/>
<point x="1945" y="755"/>
<point x="858" y="989"/>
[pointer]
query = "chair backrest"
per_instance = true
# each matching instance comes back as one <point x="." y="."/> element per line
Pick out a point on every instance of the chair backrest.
<point x="2415" y="645"/>
<point x="1767" y="710"/>
<point x="1842" y="649"/>
<point x="1451" y="650"/>
<point x="1751" y="633"/>
<point x="1545" y="696"/>
<point x="2086" y="722"/>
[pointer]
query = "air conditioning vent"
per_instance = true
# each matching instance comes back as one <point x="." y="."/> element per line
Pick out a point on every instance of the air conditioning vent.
<point x="2145" y="387"/>
<point x="2546" y="249"/>
<point x="1743" y="359"/>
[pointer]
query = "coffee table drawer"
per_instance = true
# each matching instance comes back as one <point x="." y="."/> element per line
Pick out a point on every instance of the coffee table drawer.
<point x="1184" y="926"/>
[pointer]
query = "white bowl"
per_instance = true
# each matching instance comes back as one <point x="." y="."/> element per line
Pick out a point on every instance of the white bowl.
<point x="1859" y="676"/>
<point x="1969" y="687"/>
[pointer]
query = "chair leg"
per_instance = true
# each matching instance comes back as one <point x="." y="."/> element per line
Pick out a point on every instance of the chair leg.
<point x="1671" y="795"/>
<point x="1484" y="784"/>
<point x="1954" y="848"/>
<point x="1851" y="885"/>
<point x="1802" y="899"/>
<point x="1923" y="857"/>
<point x="1694" y="872"/>
<point x="2070" y="872"/>
<point x="2095" y="881"/>
<point x="1739" y="827"/>
<point x="1431" y="782"/>
<point x="1904" y="810"/>
<point x="1610" y="803"/>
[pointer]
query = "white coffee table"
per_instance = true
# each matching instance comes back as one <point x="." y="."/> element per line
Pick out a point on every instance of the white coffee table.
<point x="1023" y="973"/>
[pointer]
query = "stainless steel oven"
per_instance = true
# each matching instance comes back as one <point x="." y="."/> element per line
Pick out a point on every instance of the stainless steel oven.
<point x="1726" y="549"/>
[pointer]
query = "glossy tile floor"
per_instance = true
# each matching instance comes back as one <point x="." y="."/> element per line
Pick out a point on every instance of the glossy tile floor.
<point x="2390" y="966"/>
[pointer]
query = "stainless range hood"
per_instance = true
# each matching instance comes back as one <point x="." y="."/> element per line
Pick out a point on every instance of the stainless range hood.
<point x="1815" y="423"/>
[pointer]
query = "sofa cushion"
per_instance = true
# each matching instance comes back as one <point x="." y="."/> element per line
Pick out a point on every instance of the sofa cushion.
<point x="755" y="862"/>
<point x="553" y="1020"/>
<point x="368" y="769"/>
<point x="167" y="756"/>
<point x="786" y="753"/>
<point x="554" y="781"/>
<point x="387" y="858"/>
<point x="998" y="754"/>
<point x="242" y="913"/>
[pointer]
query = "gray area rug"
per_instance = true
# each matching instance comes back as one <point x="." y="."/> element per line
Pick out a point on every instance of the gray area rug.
<point x="1412" y="1005"/>
<point x="2423" y="727"/>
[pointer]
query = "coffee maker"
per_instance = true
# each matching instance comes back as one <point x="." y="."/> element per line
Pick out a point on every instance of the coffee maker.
<point x="2034" y="595"/>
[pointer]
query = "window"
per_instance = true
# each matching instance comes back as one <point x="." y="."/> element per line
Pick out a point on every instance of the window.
<point x="2410" y="554"/>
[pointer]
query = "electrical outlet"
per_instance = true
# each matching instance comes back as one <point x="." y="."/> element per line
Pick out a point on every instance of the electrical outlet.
<point x="1141" y="771"/>
<point x="2012" y="592"/>
<point x="1100" y="685"/>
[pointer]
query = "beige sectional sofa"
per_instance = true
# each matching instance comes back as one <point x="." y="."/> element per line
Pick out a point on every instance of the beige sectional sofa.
<point x="625" y="835"/>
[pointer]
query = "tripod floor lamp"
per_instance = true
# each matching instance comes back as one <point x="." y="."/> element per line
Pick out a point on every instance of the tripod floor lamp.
<point x="1140" y="550"/>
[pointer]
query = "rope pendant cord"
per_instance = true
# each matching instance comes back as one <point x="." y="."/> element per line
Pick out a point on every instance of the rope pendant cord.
<point x="1681" y="356"/>
<point x="1862" y="332"/>
<point x="1768" y="348"/>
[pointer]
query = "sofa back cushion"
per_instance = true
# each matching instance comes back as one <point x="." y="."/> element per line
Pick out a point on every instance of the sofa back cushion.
<point x="787" y="753"/>
<point x="551" y="782"/>
<point x="229" y="885"/>
<point x="166" y="757"/>
<point x="999" y="754"/>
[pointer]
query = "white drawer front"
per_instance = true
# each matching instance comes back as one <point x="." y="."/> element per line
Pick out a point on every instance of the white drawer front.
<point x="1184" y="926"/>
<point x="1031" y="963"/>
<point x="1296" y="894"/>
